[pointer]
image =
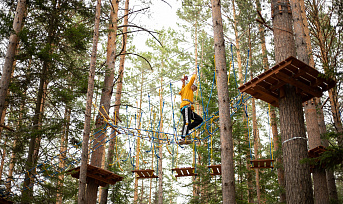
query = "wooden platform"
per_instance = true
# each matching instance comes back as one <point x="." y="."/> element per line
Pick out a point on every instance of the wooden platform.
<point x="268" y="85"/>
<point x="188" y="141"/>
<point x="216" y="169"/>
<point x="262" y="163"/>
<point x="4" y="201"/>
<point x="147" y="173"/>
<point x="101" y="176"/>
<point x="316" y="152"/>
<point x="186" y="171"/>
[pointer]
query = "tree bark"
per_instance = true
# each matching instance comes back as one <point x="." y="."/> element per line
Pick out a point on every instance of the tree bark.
<point x="321" y="23"/>
<point x="34" y="144"/>
<point x="117" y="100"/>
<point x="7" y="69"/>
<point x="63" y="153"/>
<point x="105" y="100"/>
<point x="294" y="145"/>
<point x="273" y="119"/>
<point x="228" y="181"/>
<point x="256" y="145"/>
<point x="90" y="91"/>
<point x="303" y="48"/>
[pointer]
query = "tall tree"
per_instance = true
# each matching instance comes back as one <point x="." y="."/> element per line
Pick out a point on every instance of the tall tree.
<point x="90" y="91"/>
<point x="326" y="35"/>
<point x="117" y="101"/>
<point x="294" y="145"/>
<point x="35" y="140"/>
<point x="7" y="69"/>
<point x="105" y="100"/>
<point x="303" y="53"/>
<point x="228" y="182"/>
<point x="272" y="113"/>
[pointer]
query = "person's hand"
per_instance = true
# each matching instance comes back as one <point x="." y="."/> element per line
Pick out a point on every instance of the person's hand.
<point x="195" y="73"/>
<point x="184" y="78"/>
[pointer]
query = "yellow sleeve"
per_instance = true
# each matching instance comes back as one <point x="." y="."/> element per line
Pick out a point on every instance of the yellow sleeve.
<point x="191" y="81"/>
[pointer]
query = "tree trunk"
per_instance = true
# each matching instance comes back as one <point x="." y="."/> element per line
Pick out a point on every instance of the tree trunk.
<point x="239" y="59"/>
<point x="63" y="153"/>
<point x="256" y="146"/>
<point x="304" y="51"/>
<point x="319" y="176"/>
<point x="117" y="101"/>
<point x="36" y="136"/>
<point x="228" y="181"/>
<point x="294" y="145"/>
<point x="105" y="101"/>
<point x="138" y="145"/>
<point x="34" y="144"/>
<point x="321" y="22"/>
<point x="18" y="23"/>
<point x="90" y="91"/>
<point x="273" y="119"/>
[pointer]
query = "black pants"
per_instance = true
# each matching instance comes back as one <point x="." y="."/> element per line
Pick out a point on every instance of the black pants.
<point x="188" y="116"/>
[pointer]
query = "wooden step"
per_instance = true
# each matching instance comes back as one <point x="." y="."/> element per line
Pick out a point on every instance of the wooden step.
<point x="216" y="169"/>
<point x="147" y="173"/>
<point x="262" y="163"/>
<point x="186" y="171"/>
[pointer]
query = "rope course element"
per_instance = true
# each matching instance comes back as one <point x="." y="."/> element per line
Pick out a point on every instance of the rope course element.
<point x="42" y="172"/>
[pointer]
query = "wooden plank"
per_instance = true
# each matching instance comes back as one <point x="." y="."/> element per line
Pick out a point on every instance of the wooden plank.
<point x="316" y="152"/>
<point x="268" y="163"/>
<point x="313" y="91"/>
<point x="264" y="75"/>
<point x="267" y="94"/>
<point x="186" y="171"/>
<point x="145" y="173"/>
<point x="262" y="163"/>
<point x="4" y="201"/>
<point x="268" y="85"/>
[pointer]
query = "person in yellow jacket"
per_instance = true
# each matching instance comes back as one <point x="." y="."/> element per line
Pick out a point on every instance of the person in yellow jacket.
<point x="187" y="108"/>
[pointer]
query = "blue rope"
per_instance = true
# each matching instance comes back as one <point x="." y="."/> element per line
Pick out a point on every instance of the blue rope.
<point x="246" y="113"/>
<point x="246" y="68"/>
<point x="202" y="101"/>
<point x="233" y="67"/>
<point x="171" y="96"/>
<point x="214" y="78"/>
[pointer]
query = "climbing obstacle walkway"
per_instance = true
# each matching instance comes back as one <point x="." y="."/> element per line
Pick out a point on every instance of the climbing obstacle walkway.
<point x="147" y="173"/>
<point x="51" y="167"/>
<point x="185" y="171"/>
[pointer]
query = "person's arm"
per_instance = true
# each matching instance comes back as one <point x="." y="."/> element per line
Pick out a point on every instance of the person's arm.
<point x="192" y="80"/>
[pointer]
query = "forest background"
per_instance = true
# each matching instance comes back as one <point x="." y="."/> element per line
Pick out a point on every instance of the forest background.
<point x="45" y="108"/>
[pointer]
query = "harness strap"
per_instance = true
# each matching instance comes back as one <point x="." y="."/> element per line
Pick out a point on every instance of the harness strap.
<point x="186" y="106"/>
<point x="188" y="101"/>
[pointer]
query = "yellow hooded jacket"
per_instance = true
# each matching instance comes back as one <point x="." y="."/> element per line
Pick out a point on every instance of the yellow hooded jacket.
<point x="187" y="93"/>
